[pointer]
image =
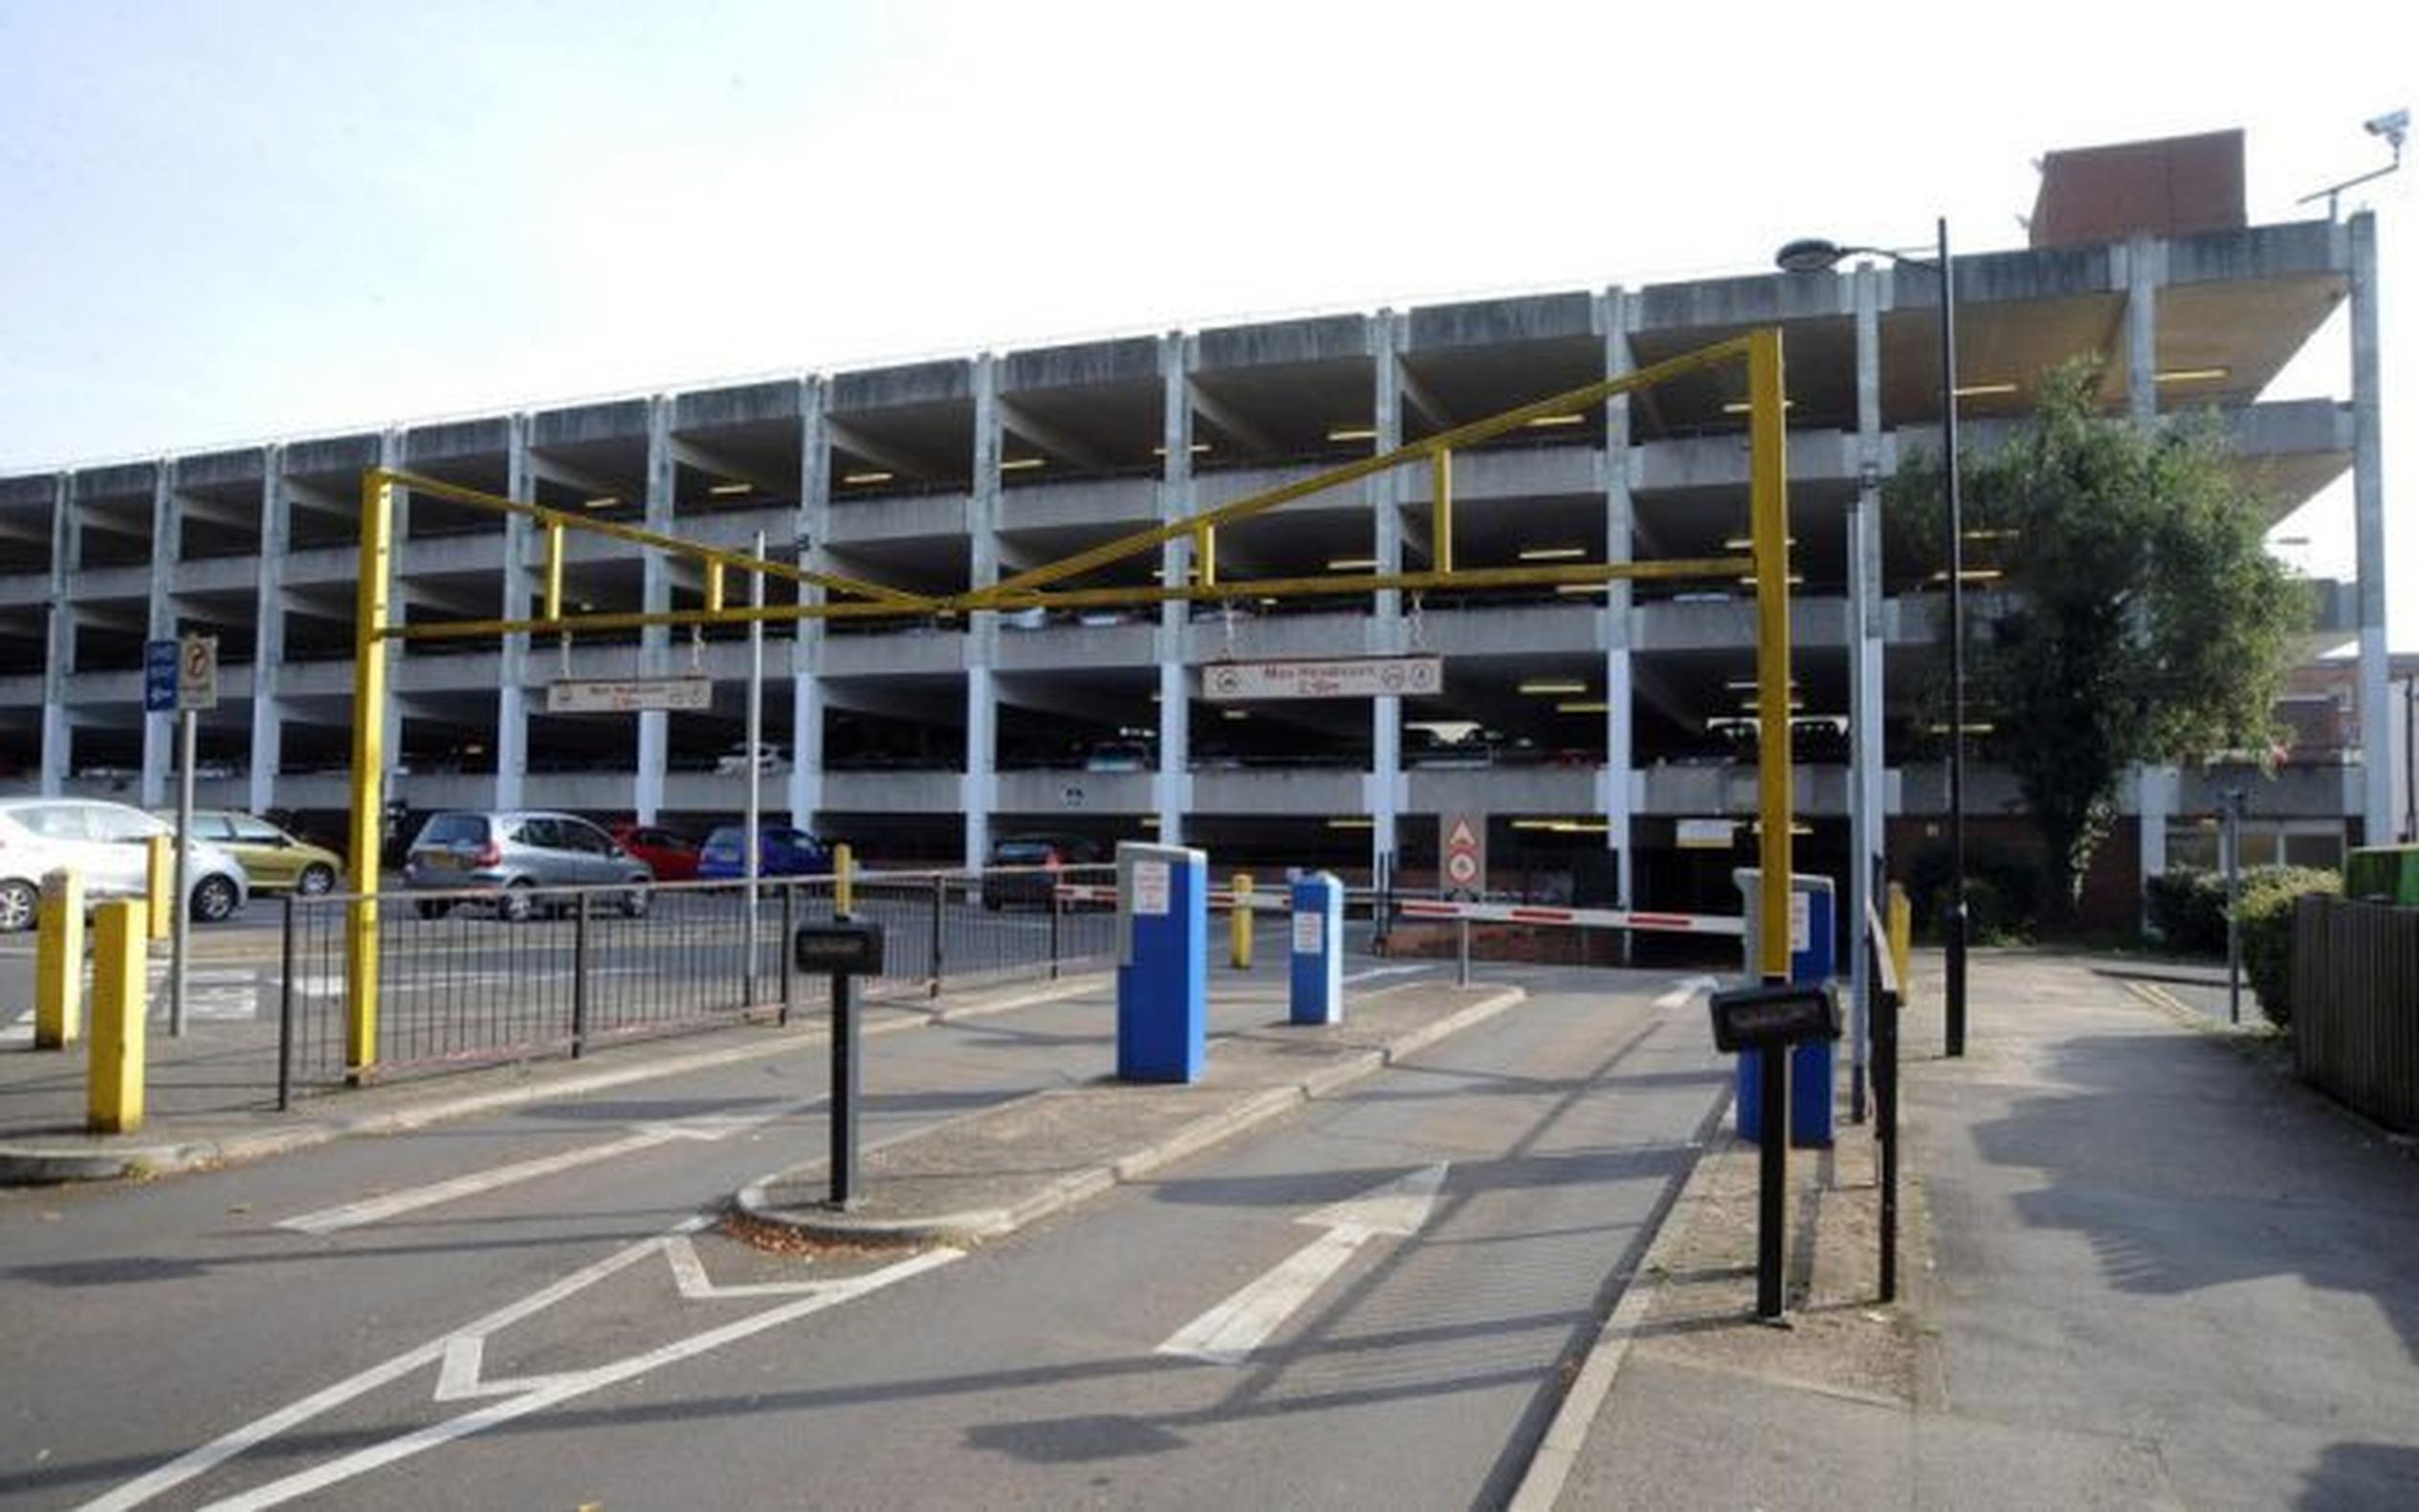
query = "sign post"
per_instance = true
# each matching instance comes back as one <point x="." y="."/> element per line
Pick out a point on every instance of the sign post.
<point x="1771" y="1021"/>
<point x="196" y="689"/>
<point x="841" y="948"/>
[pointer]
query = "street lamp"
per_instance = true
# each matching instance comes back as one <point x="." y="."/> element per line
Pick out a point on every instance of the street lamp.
<point x="1814" y="254"/>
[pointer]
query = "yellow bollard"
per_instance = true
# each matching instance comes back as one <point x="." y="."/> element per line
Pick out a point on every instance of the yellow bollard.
<point x="58" y="964"/>
<point x="844" y="878"/>
<point x="160" y="880"/>
<point x="114" y="1086"/>
<point x="1239" y="930"/>
<point x="1901" y="925"/>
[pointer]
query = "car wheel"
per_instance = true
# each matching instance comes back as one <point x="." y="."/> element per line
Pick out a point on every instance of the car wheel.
<point x="434" y="908"/>
<point x="316" y="878"/>
<point x="18" y="902"/>
<point x="213" y="899"/>
<point x="634" y="904"/>
<point x="513" y="906"/>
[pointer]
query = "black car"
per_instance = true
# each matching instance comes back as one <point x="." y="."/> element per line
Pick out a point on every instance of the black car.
<point x="1024" y="870"/>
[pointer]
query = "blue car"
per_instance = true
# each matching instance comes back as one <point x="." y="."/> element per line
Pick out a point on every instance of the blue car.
<point x="781" y="851"/>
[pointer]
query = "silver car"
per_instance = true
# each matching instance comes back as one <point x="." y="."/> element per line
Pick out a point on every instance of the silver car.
<point x="517" y="853"/>
<point x="108" y="845"/>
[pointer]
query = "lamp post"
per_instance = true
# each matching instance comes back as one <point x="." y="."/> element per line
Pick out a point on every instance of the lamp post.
<point x="1813" y="254"/>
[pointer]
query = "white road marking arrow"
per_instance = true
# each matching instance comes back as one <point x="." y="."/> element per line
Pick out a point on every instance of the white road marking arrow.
<point x="1229" y="1332"/>
<point x="1685" y="989"/>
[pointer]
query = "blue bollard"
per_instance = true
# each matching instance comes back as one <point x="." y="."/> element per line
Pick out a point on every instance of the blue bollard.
<point x="1318" y="950"/>
<point x="1162" y="962"/>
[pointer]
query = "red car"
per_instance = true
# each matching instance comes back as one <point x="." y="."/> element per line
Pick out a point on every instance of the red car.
<point x="672" y="856"/>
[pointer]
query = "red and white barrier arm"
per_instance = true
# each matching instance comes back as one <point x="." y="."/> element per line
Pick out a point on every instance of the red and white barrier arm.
<point x="1574" y="918"/>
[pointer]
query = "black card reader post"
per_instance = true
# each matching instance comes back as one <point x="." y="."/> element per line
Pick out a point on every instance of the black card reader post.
<point x="1769" y="1020"/>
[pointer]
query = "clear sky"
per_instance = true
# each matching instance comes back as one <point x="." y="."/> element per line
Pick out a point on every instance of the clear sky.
<point x="233" y="219"/>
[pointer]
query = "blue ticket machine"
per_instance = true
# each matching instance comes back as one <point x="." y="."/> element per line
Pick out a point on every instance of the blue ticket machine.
<point x="1162" y="961"/>
<point x="1812" y="959"/>
<point x="1318" y="950"/>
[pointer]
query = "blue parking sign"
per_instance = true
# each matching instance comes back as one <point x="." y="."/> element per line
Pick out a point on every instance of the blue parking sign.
<point x="159" y="677"/>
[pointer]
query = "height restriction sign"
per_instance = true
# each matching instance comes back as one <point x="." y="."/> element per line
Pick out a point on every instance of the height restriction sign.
<point x="1463" y="847"/>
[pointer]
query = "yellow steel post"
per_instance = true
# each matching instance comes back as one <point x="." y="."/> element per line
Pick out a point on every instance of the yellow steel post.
<point x="1767" y="509"/>
<point x="1239" y="928"/>
<point x="113" y="1101"/>
<point x="369" y="768"/>
<point x="844" y="878"/>
<point x="1901" y="931"/>
<point x="554" y="571"/>
<point x="159" y="885"/>
<point x="714" y="587"/>
<point x="1440" y="516"/>
<point x="1205" y="557"/>
<point x="58" y="964"/>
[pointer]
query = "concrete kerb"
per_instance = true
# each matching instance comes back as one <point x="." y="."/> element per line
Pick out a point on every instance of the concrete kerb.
<point x="49" y="1165"/>
<point x="973" y="1225"/>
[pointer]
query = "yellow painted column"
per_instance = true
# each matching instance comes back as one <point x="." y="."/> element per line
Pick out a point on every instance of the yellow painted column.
<point x="844" y="878"/>
<point x="366" y="826"/>
<point x="1768" y="510"/>
<point x="113" y="1101"/>
<point x="1239" y="927"/>
<point x="58" y="964"/>
<point x="1901" y="931"/>
<point x="159" y="883"/>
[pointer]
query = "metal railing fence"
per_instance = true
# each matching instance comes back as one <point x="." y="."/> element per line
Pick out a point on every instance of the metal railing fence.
<point x="471" y="978"/>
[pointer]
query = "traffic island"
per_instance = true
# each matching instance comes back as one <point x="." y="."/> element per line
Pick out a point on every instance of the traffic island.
<point x="993" y="1171"/>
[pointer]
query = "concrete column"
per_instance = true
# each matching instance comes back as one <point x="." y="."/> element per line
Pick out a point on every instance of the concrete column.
<point x="57" y="733"/>
<point x="159" y="731"/>
<point x="2145" y="260"/>
<point x="806" y="684"/>
<point x="512" y="696"/>
<point x="269" y="632"/>
<point x="1172" y="795"/>
<point x="979" y="789"/>
<point x="1615" y="317"/>
<point x="1868" y="760"/>
<point x="1382" y="788"/>
<point x="655" y="729"/>
<point x="2368" y="520"/>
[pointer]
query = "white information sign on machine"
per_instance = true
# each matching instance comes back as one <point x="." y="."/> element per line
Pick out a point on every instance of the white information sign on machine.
<point x="1150" y="888"/>
<point x="625" y="695"/>
<point x="1801" y="923"/>
<point x="1310" y="932"/>
<point x="1347" y="677"/>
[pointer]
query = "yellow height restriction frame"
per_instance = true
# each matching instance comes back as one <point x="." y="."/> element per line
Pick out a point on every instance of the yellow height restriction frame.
<point x="829" y="596"/>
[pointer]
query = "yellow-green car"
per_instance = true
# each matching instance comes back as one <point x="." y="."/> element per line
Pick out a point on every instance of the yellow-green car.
<point x="275" y="861"/>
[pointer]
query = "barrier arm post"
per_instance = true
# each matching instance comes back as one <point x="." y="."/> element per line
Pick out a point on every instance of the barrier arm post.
<point x="370" y="772"/>
<point x="1768" y="521"/>
<point x="1239" y="923"/>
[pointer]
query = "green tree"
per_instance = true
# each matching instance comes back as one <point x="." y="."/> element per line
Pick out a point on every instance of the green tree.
<point x="2138" y="618"/>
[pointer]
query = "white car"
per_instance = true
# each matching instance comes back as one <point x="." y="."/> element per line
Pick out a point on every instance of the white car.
<point x="770" y="758"/>
<point x="107" y="843"/>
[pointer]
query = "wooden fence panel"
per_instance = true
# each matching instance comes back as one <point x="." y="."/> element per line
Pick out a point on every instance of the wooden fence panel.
<point x="2355" y="1005"/>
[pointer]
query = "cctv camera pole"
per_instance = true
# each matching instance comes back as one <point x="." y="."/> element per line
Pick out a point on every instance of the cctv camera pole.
<point x="755" y="761"/>
<point x="181" y="906"/>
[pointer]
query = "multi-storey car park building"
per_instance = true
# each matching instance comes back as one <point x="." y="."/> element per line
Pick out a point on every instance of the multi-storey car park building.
<point x="1596" y="718"/>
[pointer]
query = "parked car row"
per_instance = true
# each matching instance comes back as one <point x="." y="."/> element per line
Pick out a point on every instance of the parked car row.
<point x="108" y="845"/>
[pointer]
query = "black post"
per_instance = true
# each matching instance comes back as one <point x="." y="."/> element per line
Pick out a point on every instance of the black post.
<point x="580" y="976"/>
<point x="1058" y="911"/>
<point x="940" y="901"/>
<point x="285" y="1012"/>
<point x="789" y="967"/>
<point x="844" y="1092"/>
<point x="1885" y="1098"/>
<point x="1771" y="1194"/>
<point x="1957" y="922"/>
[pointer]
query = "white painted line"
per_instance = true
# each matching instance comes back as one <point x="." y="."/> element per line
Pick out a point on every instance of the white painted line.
<point x="1683" y="991"/>
<point x="411" y="1199"/>
<point x="1374" y="972"/>
<point x="1229" y="1332"/>
<point x="459" y="1375"/>
<point x="18" y="1030"/>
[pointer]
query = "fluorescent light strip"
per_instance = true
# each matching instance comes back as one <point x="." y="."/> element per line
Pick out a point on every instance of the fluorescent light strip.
<point x="1352" y="823"/>
<point x="1553" y="554"/>
<point x="603" y="501"/>
<point x="727" y="490"/>
<point x="1547" y="687"/>
<point x="1554" y="422"/>
<point x="1748" y="542"/>
<point x="1196" y="449"/>
<point x="1352" y="433"/>
<point x="1740" y="407"/>
<point x="1022" y="464"/>
<point x="856" y="478"/>
<point x="1584" y="706"/>
<point x="1353" y="564"/>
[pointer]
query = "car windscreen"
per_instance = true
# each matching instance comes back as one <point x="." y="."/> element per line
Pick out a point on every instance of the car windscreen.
<point x="455" y="829"/>
<point x="1024" y="853"/>
<point x="729" y="836"/>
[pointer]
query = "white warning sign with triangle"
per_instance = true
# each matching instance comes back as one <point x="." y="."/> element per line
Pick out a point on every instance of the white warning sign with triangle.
<point x="1463" y="848"/>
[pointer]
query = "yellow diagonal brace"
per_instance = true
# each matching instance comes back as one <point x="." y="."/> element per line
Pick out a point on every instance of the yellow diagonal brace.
<point x="1243" y="509"/>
